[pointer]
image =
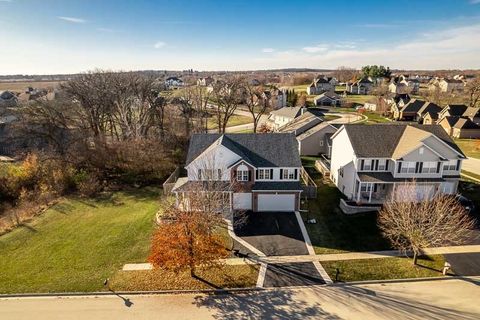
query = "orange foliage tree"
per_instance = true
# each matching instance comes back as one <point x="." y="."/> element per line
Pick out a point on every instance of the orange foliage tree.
<point x="187" y="239"/>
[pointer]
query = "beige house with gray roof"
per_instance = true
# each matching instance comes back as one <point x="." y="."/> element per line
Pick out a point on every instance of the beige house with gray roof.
<point x="371" y="163"/>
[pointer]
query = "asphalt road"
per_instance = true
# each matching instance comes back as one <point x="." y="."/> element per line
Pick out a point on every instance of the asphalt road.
<point x="439" y="299"/>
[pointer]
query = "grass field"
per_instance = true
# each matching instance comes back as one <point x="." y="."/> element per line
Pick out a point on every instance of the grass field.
<point x="234" y="120"/>
<point x="78" y="243"/>
<point x="22" y="85"/>
<point x="385" y="268"/>
<point x="375" y="118"/>
<point x="334" y="231"/>
<point x="360" y="99"/>
<point x="471" y="147"/>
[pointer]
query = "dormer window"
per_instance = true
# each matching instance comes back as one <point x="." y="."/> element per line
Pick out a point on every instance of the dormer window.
<point x="242" y="173"/>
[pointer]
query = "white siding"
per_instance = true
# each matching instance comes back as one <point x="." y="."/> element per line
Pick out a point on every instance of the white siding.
<point x="343" y="157"/>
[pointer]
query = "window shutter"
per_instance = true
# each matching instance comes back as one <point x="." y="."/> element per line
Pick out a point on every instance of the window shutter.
<point x="296" y="174"/>
<point x="438" y="166"/>
<point x="199" y="174"/>
<point x="249" y="175"/>
<point x="234" y="174"/>
<point x="399" y="167"/>
<point x="375" y="187"/>
<point x="458" y="165"/>
<point x="271" y="174"/>
<point x="376" y="165"/>
<point x="362" y="163"/>
<point x="420" y="168"/>
<point x="386" y="165"/>
<point x="281" y="174"/>
<point x="372" y="164"/>
<point x="256" y="174"/>
<point x="417" y="166"/>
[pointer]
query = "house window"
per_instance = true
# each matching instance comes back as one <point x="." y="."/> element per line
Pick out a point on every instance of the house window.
<point x="288" y="174"/>
<point x="382" y="164"/>
<point x="450" y="165"/>
<point x="429" y="167"/>
<point x="321" y="143"/>
<point x="341" y="172"/>
<point x="242" y="175"/>
<point x="367" y="166"/>
<point x="264" y="174"/>
<point x="366" y="188"/>
<point x="408" y="167"/>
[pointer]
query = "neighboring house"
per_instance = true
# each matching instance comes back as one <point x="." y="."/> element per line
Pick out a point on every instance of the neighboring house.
<point x="332" y="80"/>
<point x="8" y="99"/>
<point x="275" y="98"/>
<point x="258" y="172"/>
<point x="447" y="85"/>
<point x="371" y="163"/>
<point x="417" y="110"/>
<point x="285" y="115"/>
<point x="430" y="110"/>
<point x="319" y="86"/>
<point x="312" y="133"/>
<point x="397" y="102"/>
<point x="362" y="86"/>
<point x="460" y="127"/>
<point x="173" y="82"/>
<point x="460" y="110"/>
<point x="327" y="99"/>
<point x="205" y="81"/>
<point x="398" y="88"/>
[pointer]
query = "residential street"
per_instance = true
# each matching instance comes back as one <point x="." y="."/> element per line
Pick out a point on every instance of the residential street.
<point x="436" y="299"/>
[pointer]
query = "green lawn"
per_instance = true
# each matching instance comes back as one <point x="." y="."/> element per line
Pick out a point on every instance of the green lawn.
<point x="385" y="268"/>
<point x="226" y="276"/>
<point x="234" y="120"/>
<point x="330" y="117"/>
<point x="471" y="147"/>
<point x="374" y="117"/>
<point x="360" y="99"/>
<point x="471" y="174"/>
<point x="334" y="231"/>
<point x="78" y="243"/>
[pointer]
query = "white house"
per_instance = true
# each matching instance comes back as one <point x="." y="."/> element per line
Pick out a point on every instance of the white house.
<point x="206" y="81"/>
<point x="285" y="115"/>
<point x="320" y="85"/>
<point x="371" y="163"/>
<point x="258" y="172"/>
<point x="327" y="99"/>
<point x="362" y="86"/>
<point x="173" y="82"/>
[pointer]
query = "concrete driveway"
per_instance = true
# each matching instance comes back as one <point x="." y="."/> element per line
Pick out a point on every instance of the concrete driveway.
<point x="292" y="274"/>
<point x="273" y="233"/>
<point x="466" y="264"/>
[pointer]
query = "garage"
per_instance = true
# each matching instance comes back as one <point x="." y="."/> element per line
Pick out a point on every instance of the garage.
<point x="276" y="202"/>
<point x="242" y="201"/>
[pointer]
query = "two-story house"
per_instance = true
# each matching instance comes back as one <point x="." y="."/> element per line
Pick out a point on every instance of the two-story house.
<point x="320" y="85"/>
<point x="258" y="172"/>
<point x="371" y="163"/>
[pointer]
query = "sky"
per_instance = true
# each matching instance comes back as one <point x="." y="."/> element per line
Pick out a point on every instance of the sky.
<point x="70" y="36"/>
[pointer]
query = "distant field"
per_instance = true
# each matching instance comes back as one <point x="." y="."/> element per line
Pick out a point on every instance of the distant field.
<point x="21" y="85"/>
<point x="471" y="147"/>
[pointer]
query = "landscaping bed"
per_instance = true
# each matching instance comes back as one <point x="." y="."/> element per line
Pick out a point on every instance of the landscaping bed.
<point x="222" y="277"/>
<point x="385" y="268"/>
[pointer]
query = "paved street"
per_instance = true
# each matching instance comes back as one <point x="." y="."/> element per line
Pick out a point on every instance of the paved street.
<point x="438" y="299"/>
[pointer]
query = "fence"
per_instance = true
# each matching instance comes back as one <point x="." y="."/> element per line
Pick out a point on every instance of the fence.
<point x="309" y="186"/>
<point x="170" y="182"/>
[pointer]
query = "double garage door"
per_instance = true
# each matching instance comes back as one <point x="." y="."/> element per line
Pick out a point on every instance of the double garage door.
<point x="276" y="202"/>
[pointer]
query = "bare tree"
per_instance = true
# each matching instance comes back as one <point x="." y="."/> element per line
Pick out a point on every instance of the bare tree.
<point x="473" y="93"/>
<point x="257" y="103"/>
<point x="227" y="96"/>
<point x="344" y="74"/>
<point x="412" y="225"/>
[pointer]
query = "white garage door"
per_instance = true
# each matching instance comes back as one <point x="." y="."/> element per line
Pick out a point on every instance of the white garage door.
<point x="242" y="201"/>
<point x="276" y="202"/>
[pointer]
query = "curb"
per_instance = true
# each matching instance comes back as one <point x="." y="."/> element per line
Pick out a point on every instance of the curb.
<point x="130" y="293"/>
<point x="447" y="277"/>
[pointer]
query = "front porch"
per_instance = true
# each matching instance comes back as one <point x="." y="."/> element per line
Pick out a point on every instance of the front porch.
<point x="374" y="191"/>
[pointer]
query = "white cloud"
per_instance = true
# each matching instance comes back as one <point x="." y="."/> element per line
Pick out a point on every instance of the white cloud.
<point x="72" y="19"/>
<point x="268" y="50"/>
<point x="159" y="45"/>
<point x="315" y="49"/>
<point x="474" y="1"/>
<point x="449" y="48"/>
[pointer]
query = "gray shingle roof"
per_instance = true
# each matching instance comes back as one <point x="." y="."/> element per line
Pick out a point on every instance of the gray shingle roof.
<point x="259" y="149"/>
<point x="413" y="105"/>
<point x="289" y="112"/>
<point x="380" y="140"/>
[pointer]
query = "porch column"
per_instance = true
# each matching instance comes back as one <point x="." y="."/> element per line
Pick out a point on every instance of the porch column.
<point x="370" y="194"/>
<point x="231" y="202"/>
<point x="358" y="191"/>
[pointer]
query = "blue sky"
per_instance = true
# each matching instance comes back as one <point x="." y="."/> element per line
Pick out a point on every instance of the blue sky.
<point x="66" y="36"/>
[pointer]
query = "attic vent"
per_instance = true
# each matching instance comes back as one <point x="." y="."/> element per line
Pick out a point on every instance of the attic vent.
<point x="421" y="150"/>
